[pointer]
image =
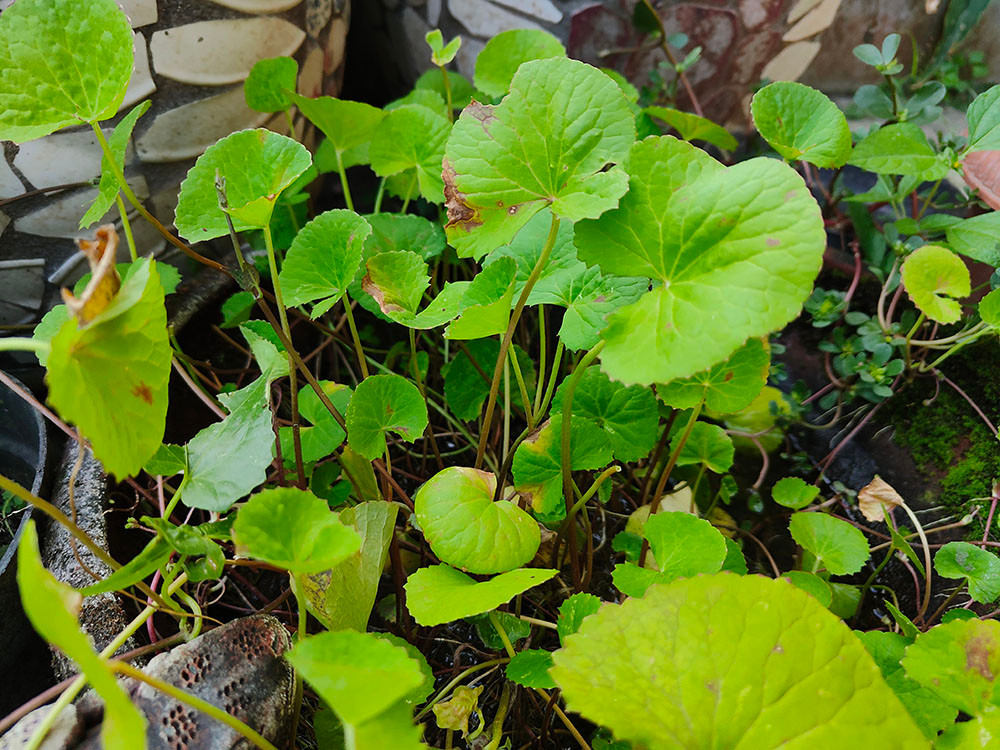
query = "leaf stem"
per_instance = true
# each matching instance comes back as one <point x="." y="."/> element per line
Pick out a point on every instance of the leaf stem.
<point x="525" y="399"/>
<point x="24" y="344"/>
<point x="447" y="93"/>
<point x="455" y="681"/>
<point x="358" y="348"/>
<point x="515" y="316"/>
<point x="127" y="226"/>
<point x="343" y="180"/>
<point x="540" y="386"/>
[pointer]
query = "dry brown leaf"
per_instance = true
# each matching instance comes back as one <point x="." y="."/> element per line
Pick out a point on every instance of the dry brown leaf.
<point x="876" y="497"/>
<point x="101" y="253"/>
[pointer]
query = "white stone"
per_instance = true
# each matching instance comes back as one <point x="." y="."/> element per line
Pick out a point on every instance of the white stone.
<point x="543" y="9"/>
<point x="61" y="158"/>
<point x="466" y="57"/>
<point x="311" y="74"/>
<point x="22" y="282"/>
<point x="336" y="44"/>
<point x="814" y="22"/>
<point x="10" y="185"/>
<point x="141" y="84"/>
<point x="484" y="19"/>
<point x="258" y="6"/>
<point x="318" y="14"/>
<point x="214" y="53"/>
<point x="801" y="8"/>
<point x="186" y="131"/>
<point x="433" y="12"/>
<point x="791" y="62"/>
<point x="140" y="12"/>
<point x="61" y="217"/>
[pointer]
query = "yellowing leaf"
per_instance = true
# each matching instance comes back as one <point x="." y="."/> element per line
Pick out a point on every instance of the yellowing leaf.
<point x="104" y="279"/>
<point x="875" y="497"/>
<point x="454" y="714"/>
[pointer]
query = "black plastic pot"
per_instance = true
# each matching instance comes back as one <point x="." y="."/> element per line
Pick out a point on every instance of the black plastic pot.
<point x="23" y="458"/>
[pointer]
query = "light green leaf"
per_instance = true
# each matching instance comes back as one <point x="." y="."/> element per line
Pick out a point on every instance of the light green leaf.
<point x="900" y="148"/>
<point x="342" y="597"/>
<point x="802" y="124"/>
<point x="537" y="465"/>
<point x="256" y="165"/>
<point x="381" y="404"/>
<point x="727" y="387"/>
<point x="984" y="121"/>
<point x="411" y="140"/>
<point x="812" y="584"/>
<point x="108" y="187"/>
<point x="358" y="675"/>
<point x="324" y="435"/>
<point x="683" y="545"/>
<point x="404" y="232"/>
<point x="928" y="710"/>
<point x="396" y="282"/>
<point x="53" y="608"/>
<point x="48" y="327"/>
<point x="958" y="661"/>
<point x="504" y="53"/>
<point x="267" y="349"/>
<point x="737" y="249"/>
<point x="486" y="303"/>
<point x="167" y="461"/>
<point x="733" y="662"/>
<point x="989" y="308"/>
<point x="293" y="529"/>
<point x="978" y="733"/>
<point x="467" y="529"/>
<point x="977" y="237"/>
<point x="63" y="63"/>
<point x="440" y="593"/>
<point x="531" y="669"/>
<point x="573" y="612"/>
<point x="980" y="567"/>
<point x="934" y="278"/>
<point x="841" y="548"/>
<point x="466" y="385"/>
<point x="152" y="556"/>
<point x="348" y="126"/>
<point x="707" y="444"/>
<point x="110" y="377"/>
<point x="499" y="169"/>
<point x="735" y="562"/>
<point x="441" y="53"/>
<point x="267" y="87"/>
<point x="627" y="414"/>
<point x="422" y="691"/>
<point x="793" y="492"/>
<point x="694" y="128"/>
<point x="323" y="259"/>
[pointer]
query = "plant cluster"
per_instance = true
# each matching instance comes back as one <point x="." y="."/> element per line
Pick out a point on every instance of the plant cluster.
<point x="579" y="312"/>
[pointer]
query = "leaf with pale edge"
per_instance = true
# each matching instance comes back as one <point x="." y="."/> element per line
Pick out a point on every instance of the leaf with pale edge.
<point x="500" y="168"/>
<point x="381" y="404"/>
<point x="440" y="593"/>
<point x="802" y="124"/>
<point x="935" y="278"/>
<point x="63" y="62"/>
<point x="467" y="529"/>
<point x="841" y="548"/>
<point x="734" y="662"/>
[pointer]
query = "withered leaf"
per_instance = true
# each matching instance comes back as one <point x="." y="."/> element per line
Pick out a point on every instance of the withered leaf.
<point x="874" y="498"/>
<point x="104" y="283"/>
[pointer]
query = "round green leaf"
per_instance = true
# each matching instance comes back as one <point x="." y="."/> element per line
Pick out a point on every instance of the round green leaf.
<point x="323" y="259"/>
<point x="980" y="567"/>
<point x="728" y="661"/>
<point x="812" y="585"/>
<point x="737" y="250"/>
<point x="900" y="148"/>
<point x="707" y="444"/>
<point x="110" y="377"/>
<point x="359" y="675"/>
<point x="381" y="404"/>
<point x="500" y="164"/>
<point x="841" y="548"/>
<point x="989" y="308"/>
<point x="627" y="414"/>
<point x="503" y="54"/>
<point x="694" y="128"/>
<point x="266" y="88"/>
<point x="62" y="62"/>
<point x="411" y="140"/>
<point x="959" y="661"/>
<point x="727" y="387"/>
<point x="793" y="492"/>
<point x="934" y="278"/>
<point x="467" y="529"/>
<point x="348" y="126"/>
<point x="531" y="669"/>
<point x="441" y="594"/>
<point x="802" y="124"/>
<point x="293" y="529"/>
<point x="256" y="165"/>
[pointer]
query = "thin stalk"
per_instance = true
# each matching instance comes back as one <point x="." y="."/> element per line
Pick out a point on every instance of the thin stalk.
<point x="540" y="386"/>
<point x="378" y="196"/>
<point x="571" y="514"/>
<point x="506" y="409"/>
<point x="515" y="316"/>
<point x="359" y="350"/>
<point x="564" y="719"/>
<point x="944" y="605"/>
<point x="498" y="719"/>
<point x="525" y="399"/>
<point x="24" y="344"/>
<point x="566" y="449"/>
<point x="447" y="93"/>
<point x="927" y="558"/>
<point x="871" y="579"/>
<point x="409" y="193"/>
<point x="292" y="379"/>
<point x="197" y="703"/>
<point x="303" y="621"/>
<point x="443" y="692"/>
<point x="343" y="180"/>
<point x="504" y="638"/>
<point x="916" y="327"/>
<point x="127" y="226"/>
<point x="553" y="376"/>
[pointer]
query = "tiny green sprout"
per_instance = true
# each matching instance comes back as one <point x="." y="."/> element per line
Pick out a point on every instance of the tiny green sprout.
<point x="441" y="53"/>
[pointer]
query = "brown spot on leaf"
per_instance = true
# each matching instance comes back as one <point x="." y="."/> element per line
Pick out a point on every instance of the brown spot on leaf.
<point x="481" y="112"/>
<point x="977" y="655"/>
<point x="729" y="376"/>
<point x="460" y="213"/>
<point x="789" y="196"/>
<point x="378" y="294"/>
<point x="777" y="649"/>
<point x="104" y="283"/>
<point x="143" y="391"/>
<point x="772" y="241"/>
